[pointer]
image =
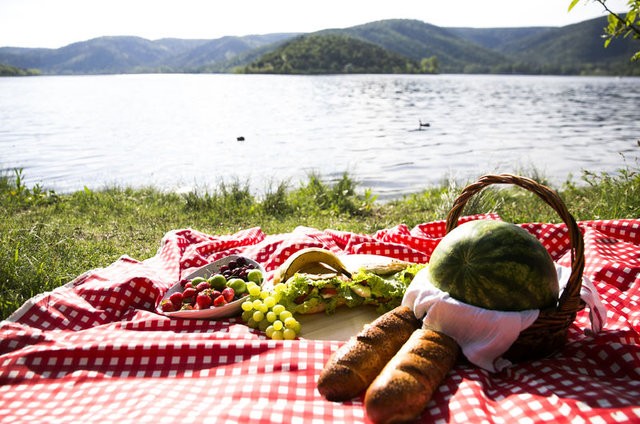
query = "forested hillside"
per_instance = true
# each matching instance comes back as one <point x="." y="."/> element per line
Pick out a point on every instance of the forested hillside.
<point x="333" y="53"/>
<point x="125" y="54"/>
<point x="573" y="49"/>
<point x="417" y="40"/>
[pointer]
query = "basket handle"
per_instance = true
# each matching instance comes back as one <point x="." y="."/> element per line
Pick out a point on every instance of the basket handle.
<point x="570" y="298"/>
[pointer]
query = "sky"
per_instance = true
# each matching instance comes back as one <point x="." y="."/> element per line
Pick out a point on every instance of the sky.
<point x="56" y="23"/>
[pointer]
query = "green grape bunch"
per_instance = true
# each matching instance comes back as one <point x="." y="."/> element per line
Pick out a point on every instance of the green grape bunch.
<point x="261" y="310"/>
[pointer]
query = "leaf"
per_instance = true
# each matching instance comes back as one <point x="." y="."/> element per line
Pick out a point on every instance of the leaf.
<point x="573" y="3"/>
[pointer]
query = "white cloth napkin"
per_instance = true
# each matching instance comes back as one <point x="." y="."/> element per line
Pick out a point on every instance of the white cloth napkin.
<point x="483" y="334"/>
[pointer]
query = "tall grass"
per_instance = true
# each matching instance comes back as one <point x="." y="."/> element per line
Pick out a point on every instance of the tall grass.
<point x="47" y="239"/>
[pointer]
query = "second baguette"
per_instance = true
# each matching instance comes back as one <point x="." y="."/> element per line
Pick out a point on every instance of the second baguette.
<point x="356" y="363"/>
<point x="407" y="383"/>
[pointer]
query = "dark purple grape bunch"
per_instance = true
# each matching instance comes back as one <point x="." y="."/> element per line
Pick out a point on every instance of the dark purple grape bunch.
<point x="238" y="267"/>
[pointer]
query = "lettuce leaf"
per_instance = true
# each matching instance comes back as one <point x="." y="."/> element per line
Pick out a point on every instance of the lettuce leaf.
<point x="386" y="292"/>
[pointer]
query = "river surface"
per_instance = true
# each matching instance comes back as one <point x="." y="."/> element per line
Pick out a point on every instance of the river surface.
<point x="180" y="132"/>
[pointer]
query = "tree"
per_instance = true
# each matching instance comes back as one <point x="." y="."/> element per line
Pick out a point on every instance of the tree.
<point x="429" y="65"/>
<point x="620" y="25"/>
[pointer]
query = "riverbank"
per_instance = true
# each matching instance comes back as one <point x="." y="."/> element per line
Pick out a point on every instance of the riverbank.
<point x="47" y="238"/>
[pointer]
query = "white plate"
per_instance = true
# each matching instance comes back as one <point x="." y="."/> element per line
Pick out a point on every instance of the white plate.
<point x="343" y="324"/>
<point x="228" y="310"/>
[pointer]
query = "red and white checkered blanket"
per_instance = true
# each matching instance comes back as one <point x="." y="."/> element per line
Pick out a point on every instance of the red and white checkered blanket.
<point x="94" y="350"/>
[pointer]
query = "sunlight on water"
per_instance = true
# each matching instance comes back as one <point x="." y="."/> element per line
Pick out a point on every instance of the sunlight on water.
<point x="180" y="131"/>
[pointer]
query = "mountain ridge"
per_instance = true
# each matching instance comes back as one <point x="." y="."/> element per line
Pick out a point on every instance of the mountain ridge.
<point x="571" y="49"/>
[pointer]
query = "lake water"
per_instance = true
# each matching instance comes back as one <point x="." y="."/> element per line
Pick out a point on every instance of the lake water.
<point x="179" y="132"/>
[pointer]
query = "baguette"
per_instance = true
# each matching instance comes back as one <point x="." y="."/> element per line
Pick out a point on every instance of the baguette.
<point x="356" y="363"/>
<point x="406" y="384"/>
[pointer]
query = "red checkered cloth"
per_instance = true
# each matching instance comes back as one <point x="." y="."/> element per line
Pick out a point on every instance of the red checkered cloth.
<point x="94" y="350"/>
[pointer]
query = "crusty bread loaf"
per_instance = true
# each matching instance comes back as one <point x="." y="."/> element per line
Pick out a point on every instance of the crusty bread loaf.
<point x="356" y="363"/>
<point x="404" y="387"/>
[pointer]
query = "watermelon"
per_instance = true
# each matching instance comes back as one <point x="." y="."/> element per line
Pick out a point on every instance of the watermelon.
<point x="495" y="265"/>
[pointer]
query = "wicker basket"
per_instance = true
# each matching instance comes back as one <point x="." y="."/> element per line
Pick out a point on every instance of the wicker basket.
<point x="548" y="333"/>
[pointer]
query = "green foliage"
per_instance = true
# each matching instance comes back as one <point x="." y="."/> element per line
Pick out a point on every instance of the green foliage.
<point x="429" y="65"/>
<point x="15" y="192"/>
<point x="607" y="194"/>
<point x="12" y="71"/>
<point x="334" y="54"/>
<point x="229" y="202"/>
<point x="276" y="203"/>
<point x="318" y="198"/>
<point x="620" y="25"/>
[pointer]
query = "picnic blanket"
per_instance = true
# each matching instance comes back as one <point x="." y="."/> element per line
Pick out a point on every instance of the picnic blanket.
<point x="95" y="350"/>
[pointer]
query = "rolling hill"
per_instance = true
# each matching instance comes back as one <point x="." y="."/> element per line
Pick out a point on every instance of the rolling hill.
<point x="572" y="49"/>
<point x="330" y="53"/>
<point x="418" y="40"/>
<point x="127" y="54"/>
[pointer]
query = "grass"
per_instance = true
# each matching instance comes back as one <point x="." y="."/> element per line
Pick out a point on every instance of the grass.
<point x="47" y="238"/>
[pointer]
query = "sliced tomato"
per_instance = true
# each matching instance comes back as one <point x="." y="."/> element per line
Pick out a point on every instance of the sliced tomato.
<point x="328" y="292"/>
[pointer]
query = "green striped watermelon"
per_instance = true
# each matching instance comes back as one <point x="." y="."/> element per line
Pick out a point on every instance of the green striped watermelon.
<point x="495" y="265"/>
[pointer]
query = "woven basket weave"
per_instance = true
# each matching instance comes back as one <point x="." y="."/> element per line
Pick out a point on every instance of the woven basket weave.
<point x="548" y="333"/>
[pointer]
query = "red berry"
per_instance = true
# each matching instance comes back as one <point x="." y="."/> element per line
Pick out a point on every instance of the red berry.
<point x="228" y="294"/>
<point x="188" y="284"/>
<point x="189" y="295"/>
<point x="203" y="301"/>
<point x="176" y="298"/>
<point x="212" y="293"/>
<point x="203" y="286"/>
<point x="167" y="306"/>
<point x="219" y="301"/>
